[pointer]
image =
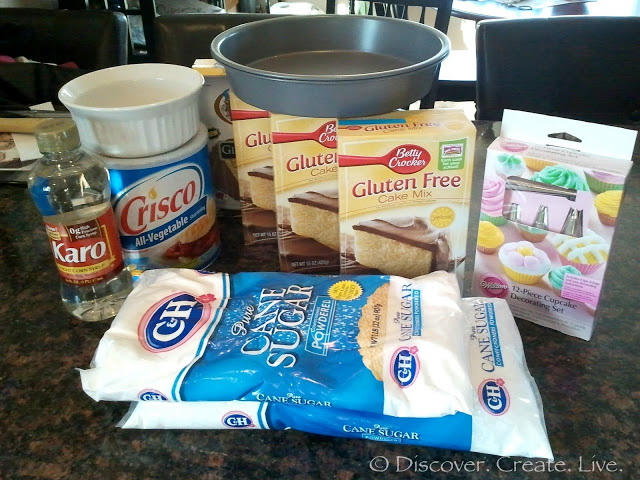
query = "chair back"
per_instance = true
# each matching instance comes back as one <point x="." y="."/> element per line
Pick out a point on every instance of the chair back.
<point x="580" y="67"/>
<point x="400" y="9"/>
<point x="182" y="38"/>
<point x="93" y="39"/>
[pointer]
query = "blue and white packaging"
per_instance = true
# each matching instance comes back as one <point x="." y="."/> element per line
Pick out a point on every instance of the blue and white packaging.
<point x="165" y="207"/>
<point x="507" y="418"/>
<point x="372" y="343"/>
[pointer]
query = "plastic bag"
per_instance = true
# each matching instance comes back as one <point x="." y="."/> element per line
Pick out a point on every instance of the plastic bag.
<point x="369" y="343"/>
<point x="507" y="417"/>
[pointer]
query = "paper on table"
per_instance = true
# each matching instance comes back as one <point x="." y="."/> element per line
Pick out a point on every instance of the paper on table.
<point x="27" y="147"/>
<point x="9" y="156"/>
<point x="43" y="106"/>
<point x="22" y="147"/>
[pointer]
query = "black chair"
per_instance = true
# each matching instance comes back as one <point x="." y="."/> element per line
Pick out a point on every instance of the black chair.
<point x="400" y="9"/>
<point x="141" y="20"/>
<point x="182" y="38"/>
<point x="93" y="39"/>
<point x="579" y="67"/>
<point x="450" y="89"/>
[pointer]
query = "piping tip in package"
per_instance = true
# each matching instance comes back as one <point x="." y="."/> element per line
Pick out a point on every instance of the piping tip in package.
<point x="511" y="212"/>
<point x="542" y="218"/>
<point x="573" y="223"/>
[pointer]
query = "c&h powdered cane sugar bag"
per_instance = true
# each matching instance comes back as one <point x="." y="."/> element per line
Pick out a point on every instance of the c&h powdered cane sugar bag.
<point x="507" y="417"/>
<point x="372" y="343"/>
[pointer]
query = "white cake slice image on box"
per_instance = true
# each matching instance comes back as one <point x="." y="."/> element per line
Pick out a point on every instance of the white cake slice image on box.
<point x="315" y="215"/>
<point x="262" y="188"/>
<point x="404" y="246"/>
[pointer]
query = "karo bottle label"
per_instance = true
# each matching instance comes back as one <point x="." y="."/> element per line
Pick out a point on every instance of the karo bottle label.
<point x="88" y="252"/>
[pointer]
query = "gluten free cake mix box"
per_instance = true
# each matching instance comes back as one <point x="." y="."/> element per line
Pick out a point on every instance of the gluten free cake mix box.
<point x="305" y="168"/>
<point x="404" y="191"/>
<point x="551" y="194"/>
<point x="252" y="137"/>
<point x="215" y="112"/>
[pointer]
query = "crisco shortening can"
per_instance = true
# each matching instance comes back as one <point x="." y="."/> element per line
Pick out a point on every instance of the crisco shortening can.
<point x="164" y="207"/>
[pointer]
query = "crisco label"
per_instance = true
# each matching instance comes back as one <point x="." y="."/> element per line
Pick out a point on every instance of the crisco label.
<point x="156" y="201"/>
<point x="88" y="252"/>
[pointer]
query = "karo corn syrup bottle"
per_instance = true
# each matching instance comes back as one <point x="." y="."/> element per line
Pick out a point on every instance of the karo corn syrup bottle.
<point x="71" y="189"/>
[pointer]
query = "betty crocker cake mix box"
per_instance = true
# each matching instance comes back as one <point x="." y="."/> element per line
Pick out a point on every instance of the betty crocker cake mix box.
<point x="404" y="191"/>
<point x="551" y="194"/>
<point x="252" y="136"/>
<point x="305" y="168"/>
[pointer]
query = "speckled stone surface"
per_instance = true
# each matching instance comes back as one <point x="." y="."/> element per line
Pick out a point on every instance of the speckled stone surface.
<point x="49" y="429"/>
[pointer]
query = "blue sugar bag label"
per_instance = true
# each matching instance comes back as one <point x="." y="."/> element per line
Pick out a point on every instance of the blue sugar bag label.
<point x="370" y="343"/>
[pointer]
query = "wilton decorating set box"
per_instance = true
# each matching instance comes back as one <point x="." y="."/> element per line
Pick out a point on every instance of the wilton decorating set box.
<point x="551" y="194"/>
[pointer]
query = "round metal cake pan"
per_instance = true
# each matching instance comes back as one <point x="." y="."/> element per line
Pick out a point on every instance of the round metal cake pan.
<point x="331" y="65"/>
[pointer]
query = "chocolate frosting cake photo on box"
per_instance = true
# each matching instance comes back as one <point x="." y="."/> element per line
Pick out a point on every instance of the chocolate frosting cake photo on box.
<point x="262" y="193"/>
<point x="308" y="233"/>
<point x="252" y="138"/>
<point x="315" y="215"/>
<point x="406" y="247"/>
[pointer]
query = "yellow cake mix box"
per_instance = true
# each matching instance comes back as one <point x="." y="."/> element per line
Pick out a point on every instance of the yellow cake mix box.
<point x="551" y="193"/>
<point x="215" y="112"/>
<point x="404" y="191"/>
<point x="252" y="137"/>
<point x="306" y="186"/>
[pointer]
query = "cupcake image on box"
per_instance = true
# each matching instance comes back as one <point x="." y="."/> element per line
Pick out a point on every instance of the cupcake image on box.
<point x="508" y="164"/>
<point x="532" y="234"/>
<point x="600" y="182"/>
<point x="536" y="164"/>
<point x="523" y="262"/>
<point x="557" y="276"/>
<point x="492" y="201"/>
<point x="587" y="253"/>
<point x="560" y="176"/>
<point x="490" y="238"/>
<point x="608" y="204"/>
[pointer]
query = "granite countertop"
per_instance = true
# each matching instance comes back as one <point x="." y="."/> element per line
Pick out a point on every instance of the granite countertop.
<point x="50" y="429"/>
